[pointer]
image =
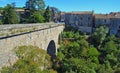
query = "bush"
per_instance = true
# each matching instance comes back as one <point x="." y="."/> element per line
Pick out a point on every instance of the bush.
<point x="31" y="60"/>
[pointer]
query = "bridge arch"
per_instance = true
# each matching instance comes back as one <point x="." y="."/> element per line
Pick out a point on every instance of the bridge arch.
<point x="51" y="49"/>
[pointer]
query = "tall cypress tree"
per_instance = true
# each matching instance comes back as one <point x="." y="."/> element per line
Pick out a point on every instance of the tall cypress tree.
<point x="47" y="14"/>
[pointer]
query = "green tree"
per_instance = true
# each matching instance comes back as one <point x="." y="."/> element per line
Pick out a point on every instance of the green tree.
<point x="47" y="14"/>
<point x="35" y="5"/>
<point x="79" y="56"/>
<point x="110" y="47"/>
<point x="36" y="18"/>
<point x="9" y="15"/>
<point x="110" y="53"/>
<point x="93" y="54"/>
<point x="1" y="8"/>
<point x="99" y="36"/>
<point x="104" y="69"/>
<point x="69" y="34"/>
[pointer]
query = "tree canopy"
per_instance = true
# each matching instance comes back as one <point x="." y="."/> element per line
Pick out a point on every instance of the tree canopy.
<point x="9" y="15"/>
<point x="35" y="5"/>
<point x="47" y="14"/>
<point x="36" y="18"/>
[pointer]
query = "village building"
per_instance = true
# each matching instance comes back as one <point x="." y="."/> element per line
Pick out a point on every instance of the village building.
<point x="80" y="20"/>
<point x="87" y="21"/>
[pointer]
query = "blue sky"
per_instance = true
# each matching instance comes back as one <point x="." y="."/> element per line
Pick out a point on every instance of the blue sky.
<point x="99" y="6"/>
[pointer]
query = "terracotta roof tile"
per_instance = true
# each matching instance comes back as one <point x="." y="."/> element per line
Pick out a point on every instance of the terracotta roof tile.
<point x="80" y="12"/>
<point x="101" y="16"/>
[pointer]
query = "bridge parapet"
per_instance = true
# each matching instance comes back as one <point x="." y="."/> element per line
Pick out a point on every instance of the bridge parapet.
<point x="15" y="29"/>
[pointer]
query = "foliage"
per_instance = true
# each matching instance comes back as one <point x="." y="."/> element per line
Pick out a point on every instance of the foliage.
<point x="70" y="34"/>
<point x="29" y="16"/>
<point x="76" y="56"/>
<point x="110" y="47"/>
<point x="93" y="52"/>
<point x="34" y="10"/>
<point x="67" y="34"/>
<point x="80" y="56"/>
<point x="36" y="18"/>
<point x="31" y="60"/>
<point x="104" y="69"/>
<point x="1" y="22"/>
<point x="111" y="53"/>
<point x="35" y="5"/>
<point x="9" y="15"/>
<point x="99" y="36"/>
<point x="1" y="8"/>
<point x="47" y="14"/>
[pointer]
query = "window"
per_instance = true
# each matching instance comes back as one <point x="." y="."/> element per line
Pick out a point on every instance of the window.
<point x="81" y="24"/>
<point x="81" y="18"/>
<point x="88" y="24"/>
<point x="105" y="20"/>
<point x="88" y="18"/>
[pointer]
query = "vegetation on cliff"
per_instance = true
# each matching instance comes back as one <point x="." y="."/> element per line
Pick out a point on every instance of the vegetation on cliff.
<point x="95" y="53"/>
<point x="31" y="60"/>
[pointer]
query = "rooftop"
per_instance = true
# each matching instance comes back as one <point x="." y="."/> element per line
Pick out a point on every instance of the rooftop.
<point x="105" y="16"/>
<point x="80" y="12"/>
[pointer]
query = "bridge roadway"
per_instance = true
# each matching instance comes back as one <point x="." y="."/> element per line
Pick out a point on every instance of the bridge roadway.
<point x="41" y="35"/>
<point x="6" y="30"/>
<point x="6" y="27"/>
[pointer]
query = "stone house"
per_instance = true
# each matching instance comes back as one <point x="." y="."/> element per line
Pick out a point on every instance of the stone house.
<point x="101" y="19"/>
<point x="62" y="19"/>
<point x="112" y="21"/>
<point x="87" y="21"/>
<point x="115" y="23"/>
<point x="80" y="20"/>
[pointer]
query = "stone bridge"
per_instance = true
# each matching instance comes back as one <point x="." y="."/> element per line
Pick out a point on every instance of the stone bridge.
<point x="45" y="36"/>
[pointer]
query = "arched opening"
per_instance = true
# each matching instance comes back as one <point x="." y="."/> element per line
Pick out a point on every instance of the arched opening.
<point x="59" y="39"/>
<point x="51" y="49"/>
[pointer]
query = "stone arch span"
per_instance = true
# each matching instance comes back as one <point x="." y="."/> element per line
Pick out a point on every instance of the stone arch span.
<point x="51" y="49"/>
